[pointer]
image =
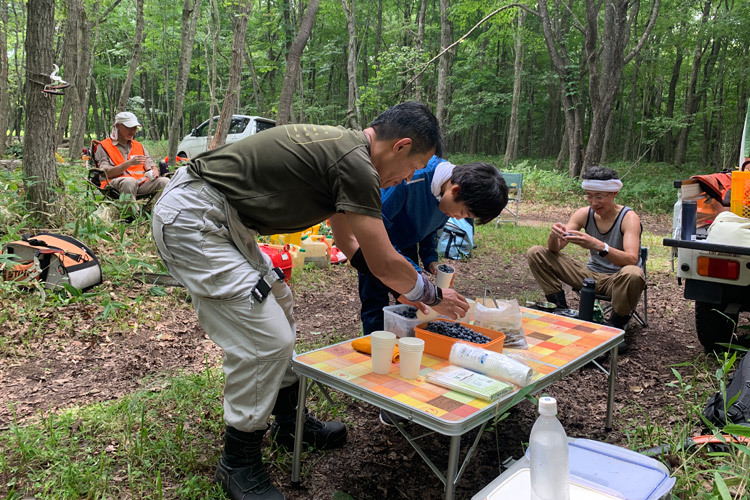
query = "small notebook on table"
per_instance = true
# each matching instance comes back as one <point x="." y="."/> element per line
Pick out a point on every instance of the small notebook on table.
<point x="469" y="382"/>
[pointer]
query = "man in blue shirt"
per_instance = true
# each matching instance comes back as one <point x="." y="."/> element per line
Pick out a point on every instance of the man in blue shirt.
<point x="413" y="212"/>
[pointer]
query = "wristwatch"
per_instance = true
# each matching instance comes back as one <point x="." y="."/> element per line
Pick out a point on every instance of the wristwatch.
<point x="438" y="297"/>
<point x="603" y="253"/>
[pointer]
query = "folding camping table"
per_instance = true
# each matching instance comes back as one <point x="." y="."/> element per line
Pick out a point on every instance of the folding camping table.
<point x="558" y="345"/>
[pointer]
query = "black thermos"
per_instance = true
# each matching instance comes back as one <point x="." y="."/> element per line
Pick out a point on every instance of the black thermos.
<point x="689" y="213"/>
<point x="588" y="294"/>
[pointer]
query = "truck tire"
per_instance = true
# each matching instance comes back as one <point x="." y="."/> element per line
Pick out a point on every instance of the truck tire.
<point x="712" y="326"/>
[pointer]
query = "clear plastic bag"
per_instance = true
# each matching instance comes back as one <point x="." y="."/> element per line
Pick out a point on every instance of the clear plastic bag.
<point x="505" y="317"/>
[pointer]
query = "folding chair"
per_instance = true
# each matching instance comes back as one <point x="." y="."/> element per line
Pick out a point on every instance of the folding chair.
<point x="642" y="319"/>
<point x="514" y="180"/>
<point x="96" y="175"/>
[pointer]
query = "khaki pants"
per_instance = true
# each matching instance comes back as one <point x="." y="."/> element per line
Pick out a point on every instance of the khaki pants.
<point x="128" y="185"/>
<point x="205" y="247"/>
<point x="551" y="269"/>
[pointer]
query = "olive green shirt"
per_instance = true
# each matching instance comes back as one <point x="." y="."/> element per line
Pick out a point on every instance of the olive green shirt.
<point x="290" y="177"/>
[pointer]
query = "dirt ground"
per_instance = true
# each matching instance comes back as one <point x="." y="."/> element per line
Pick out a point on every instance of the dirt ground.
<point x="377" y="462"/>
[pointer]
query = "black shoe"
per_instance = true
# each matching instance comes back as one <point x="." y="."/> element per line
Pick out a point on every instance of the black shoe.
<point x="558" y="298"/>
<point x="618" y="320"/>
<point x="387" y="418"/>
<point x="319" y="435"/>
<point x="251" y="482"/>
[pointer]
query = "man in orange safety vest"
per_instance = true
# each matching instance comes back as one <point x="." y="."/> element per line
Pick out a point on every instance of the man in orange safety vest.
<point x="128" y="166"/>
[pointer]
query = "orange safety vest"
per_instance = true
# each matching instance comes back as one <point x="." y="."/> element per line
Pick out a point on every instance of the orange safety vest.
<point x="136" y="148"/>
<point x="715" y="185"/>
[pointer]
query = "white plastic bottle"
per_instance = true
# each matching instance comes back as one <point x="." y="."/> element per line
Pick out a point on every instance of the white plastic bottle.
<point x="548" y="451"/>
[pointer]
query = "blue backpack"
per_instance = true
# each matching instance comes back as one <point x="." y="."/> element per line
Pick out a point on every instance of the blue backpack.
<point x="456" y="240"/>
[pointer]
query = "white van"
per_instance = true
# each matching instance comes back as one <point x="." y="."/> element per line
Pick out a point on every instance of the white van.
<point x="242" y="126"/>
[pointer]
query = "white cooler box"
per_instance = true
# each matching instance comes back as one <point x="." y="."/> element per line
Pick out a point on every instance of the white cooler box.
<point x="598" y="471"/>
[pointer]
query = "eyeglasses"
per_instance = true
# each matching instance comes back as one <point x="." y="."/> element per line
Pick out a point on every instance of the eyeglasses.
<point x="596" y="197"/>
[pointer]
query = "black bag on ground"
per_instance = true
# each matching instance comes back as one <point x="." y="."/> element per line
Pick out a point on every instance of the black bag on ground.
<point x="53" y="259"/>
<point x="738" y="399"/>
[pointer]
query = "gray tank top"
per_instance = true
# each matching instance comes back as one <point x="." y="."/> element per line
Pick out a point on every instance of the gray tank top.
<point x="613" y="238"/>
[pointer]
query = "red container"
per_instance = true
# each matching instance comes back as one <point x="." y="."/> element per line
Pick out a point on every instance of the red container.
<point x="281" y="257"/>
<point x="440" y="345"/>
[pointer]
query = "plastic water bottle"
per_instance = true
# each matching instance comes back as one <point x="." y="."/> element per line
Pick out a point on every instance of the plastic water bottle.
<point x="588" y="294"/>
<point x="677" y="216"/>
<point x="548" y="451"/>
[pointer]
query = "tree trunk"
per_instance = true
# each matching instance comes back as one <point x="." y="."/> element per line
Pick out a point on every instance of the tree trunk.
<point x="562" y="155"/>
<point x="444" y="66"/>
<point x="190" y="12"/>
<point x="293" y="62"/>
<point x="39" y="133"/>
<point x="606" y="60"/>
<point x="418" y="45"/>
<point x="215" y="26"/>
<point x="79" y="113"/>
<point x="4" y="97"/>
<point x="691" y="100"/>
<point x="231" y="100"/>
<point x="511" y="148"/>
<point x="135" y="59"/>
<point x="671" y="97"/>
<point x="631" y="113"/>
<point x="69" y="68"/>
<point x="353" y="114"/>
<point x="260" y="101"/>
<point x="19" y="66"/>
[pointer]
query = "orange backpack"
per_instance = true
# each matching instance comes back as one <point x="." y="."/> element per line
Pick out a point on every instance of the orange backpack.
<point x="51" y="258"/>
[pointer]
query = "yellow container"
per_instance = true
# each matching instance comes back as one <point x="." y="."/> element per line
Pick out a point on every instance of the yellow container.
<point x="316" y="250"/>
<point x="298" y="256"/>
<point x="741" y="193"/>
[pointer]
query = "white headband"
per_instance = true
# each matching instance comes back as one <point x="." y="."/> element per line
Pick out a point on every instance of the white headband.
<point x="608" y="186"/>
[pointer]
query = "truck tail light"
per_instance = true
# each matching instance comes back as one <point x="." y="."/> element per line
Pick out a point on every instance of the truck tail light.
<point x="718" y="268"/>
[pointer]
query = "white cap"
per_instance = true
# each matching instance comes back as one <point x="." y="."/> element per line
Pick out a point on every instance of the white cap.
<point x="128" y="119"/>
<point x="547" y="406"/>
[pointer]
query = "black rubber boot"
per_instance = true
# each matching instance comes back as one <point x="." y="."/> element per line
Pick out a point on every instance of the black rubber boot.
<point x="241" y="472"/>
<point x="320" y="435"/>
<point x="558" y="298"/>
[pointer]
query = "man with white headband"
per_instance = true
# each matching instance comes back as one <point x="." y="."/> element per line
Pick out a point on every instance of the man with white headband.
<point x="612" y="236"/>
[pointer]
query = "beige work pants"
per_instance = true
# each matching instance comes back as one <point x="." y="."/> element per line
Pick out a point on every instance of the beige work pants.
<point x="206" y="248"/>
<point x="551" y="269"/>
<point x="128" y="185"/>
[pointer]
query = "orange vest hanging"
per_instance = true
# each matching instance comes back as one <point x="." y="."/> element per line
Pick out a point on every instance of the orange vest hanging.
<point x="136" y="148"/>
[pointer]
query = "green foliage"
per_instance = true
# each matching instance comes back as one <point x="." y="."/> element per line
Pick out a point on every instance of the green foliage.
<point x="695" y="467"/>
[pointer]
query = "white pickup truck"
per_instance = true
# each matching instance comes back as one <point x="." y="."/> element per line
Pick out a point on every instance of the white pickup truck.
<point x="717" y="278"/>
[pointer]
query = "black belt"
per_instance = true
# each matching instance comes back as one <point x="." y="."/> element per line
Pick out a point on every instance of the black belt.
<point x="263" y="288"/>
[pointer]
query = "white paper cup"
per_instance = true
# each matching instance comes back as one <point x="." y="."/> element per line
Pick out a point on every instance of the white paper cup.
<point x="382" y="343"/>
<point x="445" y="275"/>
<point x="149" y="174"/>
<point x="410" y="351"/>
